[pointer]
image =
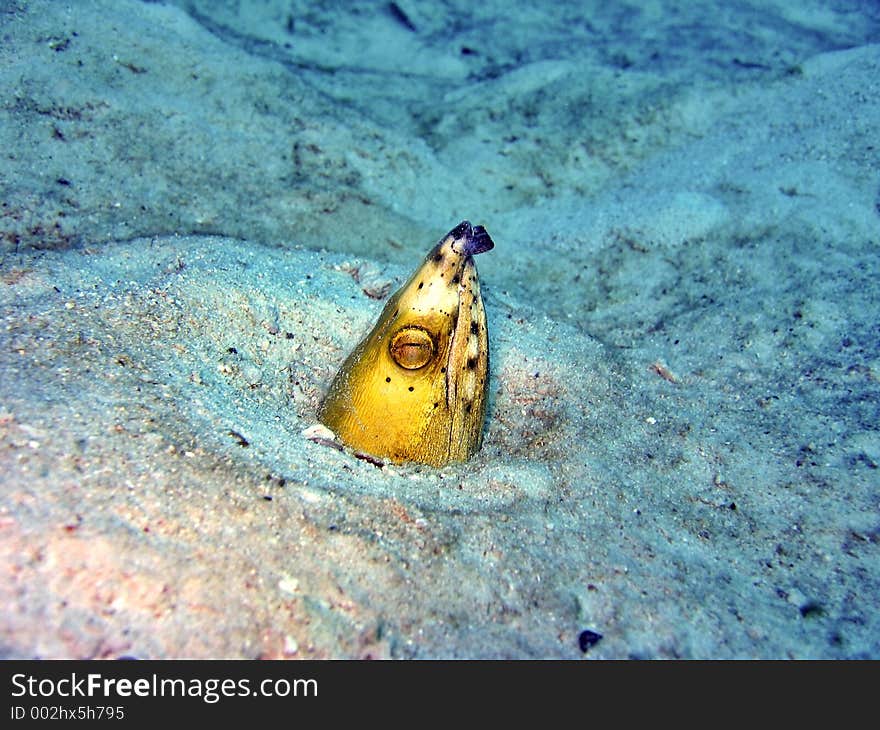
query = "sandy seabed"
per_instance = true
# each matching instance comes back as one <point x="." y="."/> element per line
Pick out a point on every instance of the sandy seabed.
<point x="201" y="202"/>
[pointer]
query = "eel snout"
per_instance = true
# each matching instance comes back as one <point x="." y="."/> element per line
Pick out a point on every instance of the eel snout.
<point x="470" y="240"/>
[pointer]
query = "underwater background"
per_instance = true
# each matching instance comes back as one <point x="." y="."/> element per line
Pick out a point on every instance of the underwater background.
<point x="204" y="205"/>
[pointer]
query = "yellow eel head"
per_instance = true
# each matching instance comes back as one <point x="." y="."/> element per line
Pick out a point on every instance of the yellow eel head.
<point x="415" y="388"/>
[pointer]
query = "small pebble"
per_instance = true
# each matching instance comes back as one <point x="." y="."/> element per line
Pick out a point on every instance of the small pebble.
<point x="587" y="639"/>
<point x="290" y="645"/>
<point x="289" y="585"/>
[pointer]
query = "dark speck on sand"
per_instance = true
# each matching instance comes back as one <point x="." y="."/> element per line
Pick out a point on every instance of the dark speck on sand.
<point x="686" y="229"/>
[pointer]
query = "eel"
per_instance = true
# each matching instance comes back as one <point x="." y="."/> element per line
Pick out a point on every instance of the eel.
<point x="414" y="389"/>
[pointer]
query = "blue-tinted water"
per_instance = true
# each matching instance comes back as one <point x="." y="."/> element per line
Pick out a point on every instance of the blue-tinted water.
<point x="200" y="202"/>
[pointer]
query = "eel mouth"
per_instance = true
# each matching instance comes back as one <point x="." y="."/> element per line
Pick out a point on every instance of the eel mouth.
<point x="470" y="240"/>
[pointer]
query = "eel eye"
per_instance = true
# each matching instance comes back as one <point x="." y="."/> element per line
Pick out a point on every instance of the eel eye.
<point x="412" y="348"/>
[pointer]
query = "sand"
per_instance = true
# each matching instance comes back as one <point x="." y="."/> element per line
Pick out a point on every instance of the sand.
<point x="201" y="203"/>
